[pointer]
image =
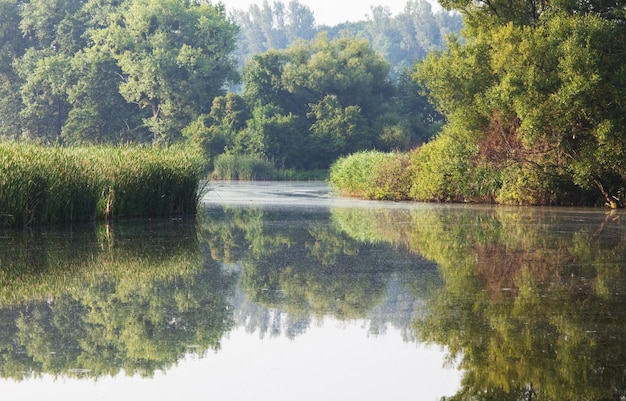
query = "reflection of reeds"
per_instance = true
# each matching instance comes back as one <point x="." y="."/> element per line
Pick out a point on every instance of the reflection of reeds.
<point x="130" y="297"/>
<point x="40" y="185"/>
<point x="48" y="262"/>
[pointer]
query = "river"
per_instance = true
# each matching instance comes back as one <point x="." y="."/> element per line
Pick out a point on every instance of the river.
<point x="285" y="291"/>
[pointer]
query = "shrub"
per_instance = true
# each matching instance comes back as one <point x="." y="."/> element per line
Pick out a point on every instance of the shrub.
<point x="392" y="178"/>
<point x="354" y="175"/>
<point x="532" y="185"/>
<point x="448" y="169"/>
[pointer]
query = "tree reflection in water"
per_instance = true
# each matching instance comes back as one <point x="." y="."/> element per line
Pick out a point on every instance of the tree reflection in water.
<point x="298" y="268"/>
<point x="134" y="298"/>
<point x="533" y="301"/>
<point x="529" y="302"/>
<point x="137" y="297"/>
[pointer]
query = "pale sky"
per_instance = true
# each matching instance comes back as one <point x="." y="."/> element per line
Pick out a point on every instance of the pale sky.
<point x="330" y="12"/>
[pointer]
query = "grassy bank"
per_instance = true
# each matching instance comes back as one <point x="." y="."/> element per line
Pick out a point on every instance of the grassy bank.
<point x="41" y="185"/>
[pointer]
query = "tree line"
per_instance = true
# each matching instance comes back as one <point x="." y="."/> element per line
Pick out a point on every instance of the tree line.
<point x="401" y="39"/>
<point x="148" y="71"/>
<point x="110" y="70"/>
<point x="530" y="95"/>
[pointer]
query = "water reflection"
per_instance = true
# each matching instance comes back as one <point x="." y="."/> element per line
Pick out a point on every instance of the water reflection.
<point x="94" y="302"/>
<point x="533" y="301"/>
<point x="299" y="267"/>
<point x="528" y="302"/>
<point x="137" y="297"/>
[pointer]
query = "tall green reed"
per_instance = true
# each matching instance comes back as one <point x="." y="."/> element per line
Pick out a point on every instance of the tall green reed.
<point x="243" y="167"/>
<point x="41" y="185"/>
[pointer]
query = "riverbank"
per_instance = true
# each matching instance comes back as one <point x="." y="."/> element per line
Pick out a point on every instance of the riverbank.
<point x="43" y="185"/>
<point x="428" y="174"/>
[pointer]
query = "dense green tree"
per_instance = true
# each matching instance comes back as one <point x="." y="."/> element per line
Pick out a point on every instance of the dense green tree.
<point x="12" y="46"/>
<point x="75" y="72"/>
<point x="536" y="93"/>
<point x="217" y="131"/>
<point x="46" y="75"/>
<point x="69" y="91"/>
<point x="329" y="94"/>
<point x="98" y="112"/>
<point x="275" y="136"/>
<point x="51" y="23"/>
<point x="337" y="130"/>
<point x="262" y="80"/>
<point x="98" y="71"/>
<point x="174" y="57"/>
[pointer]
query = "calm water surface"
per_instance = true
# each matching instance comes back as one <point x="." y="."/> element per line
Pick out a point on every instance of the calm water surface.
<point x="282" y="291"/>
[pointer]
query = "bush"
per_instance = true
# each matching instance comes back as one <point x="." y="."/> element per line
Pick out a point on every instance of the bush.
<point x="392" y="178"/>
<point x="371" y="175"/>
<point x="531" y="185"/>
<point x="353" y="175"/>
<point x="447" y="170"/>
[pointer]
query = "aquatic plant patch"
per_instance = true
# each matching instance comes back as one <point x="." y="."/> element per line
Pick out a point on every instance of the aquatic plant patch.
<point x="42" y="185"/>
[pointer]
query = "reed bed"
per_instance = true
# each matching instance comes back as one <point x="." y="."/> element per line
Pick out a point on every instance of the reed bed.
<point x="43" y="185"/>
<point x="232" y="167"/>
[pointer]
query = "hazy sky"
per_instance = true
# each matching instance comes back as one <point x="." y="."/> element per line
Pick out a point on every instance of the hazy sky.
<point x="330" y="12"/>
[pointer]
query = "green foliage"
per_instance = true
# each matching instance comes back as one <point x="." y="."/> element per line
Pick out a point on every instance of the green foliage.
<point x="442" y="170"/>
<point x="540" y="93"/>
<point x="273" y="135"/>
<point x="372" y="175"/>
<point x="445" y="170"/>
<point x="243" y="167"/>
<point x="392" y="178"/>
<point x="315" y="101"/>
<point x="530" y="185"/>
<point x="338" y="130"/>
<point x="174" y="55"/>
<point x="111" y="71"/>
<point x="41" y="185"/>
<point x="140" y="71"/>
<point x="351" y="175"/>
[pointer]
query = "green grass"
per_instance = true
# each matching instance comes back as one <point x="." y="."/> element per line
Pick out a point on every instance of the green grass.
<point x="43" y="185"/>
